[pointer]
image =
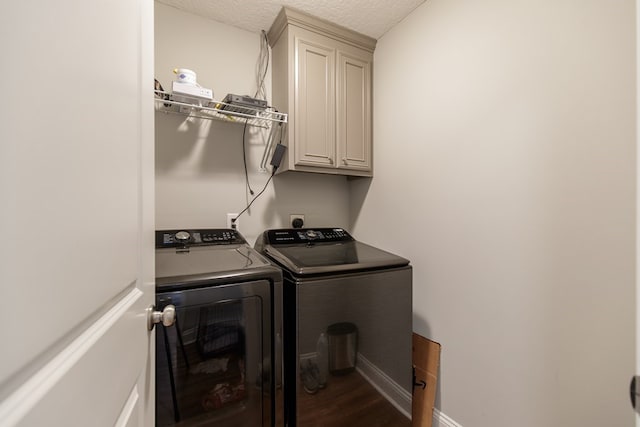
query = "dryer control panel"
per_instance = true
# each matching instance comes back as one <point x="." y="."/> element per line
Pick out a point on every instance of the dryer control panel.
<point x="200" y="237"/>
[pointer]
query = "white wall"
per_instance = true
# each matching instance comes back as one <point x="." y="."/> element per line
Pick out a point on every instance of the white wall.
<point x="199" y="166"/>
<point x="505" y="170"/>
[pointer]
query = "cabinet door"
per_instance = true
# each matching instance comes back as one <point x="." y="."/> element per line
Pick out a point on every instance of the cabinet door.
<point x="354" y="112"/>
<point x="314" y="104"/>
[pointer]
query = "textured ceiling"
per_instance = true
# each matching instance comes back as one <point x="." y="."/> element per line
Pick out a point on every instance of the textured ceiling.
<point x="370" y="17"/>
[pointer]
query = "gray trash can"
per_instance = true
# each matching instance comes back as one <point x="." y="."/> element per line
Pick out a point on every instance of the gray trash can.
<point x="343" y="347"/>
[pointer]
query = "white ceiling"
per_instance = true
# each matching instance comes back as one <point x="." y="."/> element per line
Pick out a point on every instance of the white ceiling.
<point x="370" y="17"/>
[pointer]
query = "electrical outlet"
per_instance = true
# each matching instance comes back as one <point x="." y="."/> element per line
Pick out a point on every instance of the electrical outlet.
<point x="293" y="217"/>
<point x="230" y="222"/>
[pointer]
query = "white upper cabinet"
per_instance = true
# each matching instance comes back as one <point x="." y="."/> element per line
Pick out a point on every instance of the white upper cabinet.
<point x="322" y="79"/>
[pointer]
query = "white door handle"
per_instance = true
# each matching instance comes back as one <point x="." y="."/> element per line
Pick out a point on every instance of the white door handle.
<point x="167" y="316"/>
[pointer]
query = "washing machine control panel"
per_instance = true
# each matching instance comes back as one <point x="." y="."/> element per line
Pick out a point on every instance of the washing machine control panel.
<point x="307" y="235"/>
<point x="199" y="237"/>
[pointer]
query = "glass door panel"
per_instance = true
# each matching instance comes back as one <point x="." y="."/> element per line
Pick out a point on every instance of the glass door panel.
<point x="212" y="365"/>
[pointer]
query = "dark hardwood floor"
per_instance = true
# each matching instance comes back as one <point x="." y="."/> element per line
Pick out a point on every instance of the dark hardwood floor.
<point x="348" y="401"/>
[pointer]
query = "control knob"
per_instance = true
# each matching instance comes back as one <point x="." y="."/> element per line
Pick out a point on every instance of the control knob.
<point x="182" y="236"/>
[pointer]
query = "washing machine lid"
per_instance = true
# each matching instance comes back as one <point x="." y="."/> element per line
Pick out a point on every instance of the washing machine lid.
<point x="219" y="260"/>
<point x="324" y="251"/>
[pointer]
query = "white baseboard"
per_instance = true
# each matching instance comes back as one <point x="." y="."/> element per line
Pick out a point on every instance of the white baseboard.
<point x="392" y="391"/>
<point x="441" y="420"/>
<point x="396" y="395"/>
<point x="387" y="387"/>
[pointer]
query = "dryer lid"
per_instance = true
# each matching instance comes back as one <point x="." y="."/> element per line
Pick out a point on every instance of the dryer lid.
<point x="194" y="258"/>
<point x="206" y="260"/>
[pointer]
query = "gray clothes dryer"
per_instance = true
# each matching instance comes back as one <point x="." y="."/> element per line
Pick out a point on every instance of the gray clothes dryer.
<point x="218" y="364"/>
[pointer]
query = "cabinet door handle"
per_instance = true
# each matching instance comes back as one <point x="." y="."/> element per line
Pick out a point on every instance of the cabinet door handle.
<point x="330" y="161"/>
<point x="633" y="392"/>
<point x="344" y="161"/>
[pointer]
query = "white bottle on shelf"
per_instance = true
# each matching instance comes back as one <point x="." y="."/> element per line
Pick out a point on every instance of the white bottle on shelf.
<point x="322" y="354"/>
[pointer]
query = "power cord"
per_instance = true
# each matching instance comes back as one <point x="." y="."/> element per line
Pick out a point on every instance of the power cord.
<point x="262" y="66"/>
<point x="233" y="220"/>
<point x="278" y="154"/>
<point x="261" y="73"/>
<point x="261" y="93"/>
<point x="244" y="158"/>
